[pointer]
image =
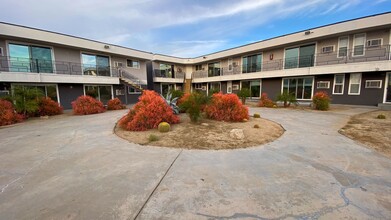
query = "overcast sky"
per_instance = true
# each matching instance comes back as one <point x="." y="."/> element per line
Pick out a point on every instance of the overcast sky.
<point x="183" y="28"/>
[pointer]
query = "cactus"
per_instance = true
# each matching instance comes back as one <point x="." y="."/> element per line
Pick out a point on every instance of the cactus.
<point x="171" y="102"/>
<point x="381" y="116"/>
<point x="256" y="115"/>
<point x="163" y="127"/>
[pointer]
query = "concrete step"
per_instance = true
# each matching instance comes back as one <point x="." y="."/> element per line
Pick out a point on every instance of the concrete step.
<point x="384" y="106"/>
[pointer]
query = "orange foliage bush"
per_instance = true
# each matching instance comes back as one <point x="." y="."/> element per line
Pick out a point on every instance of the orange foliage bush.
<point x="148" y="112"/>
<point x="115" y="104"/>
<point x="265" y="101"/>
<point x="321" y="101"/>
<point x="226" y="107"/>
<point x="49" y="107"/>
<point x="7" y="113"/>
<point x="85" y="105"/>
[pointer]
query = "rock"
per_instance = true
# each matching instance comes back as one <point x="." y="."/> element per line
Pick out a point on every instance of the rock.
<point x="45" y="117"/>
<point x="245" y="120"/>
<point x="205" y="124"/>
<point x="237" y="134"/>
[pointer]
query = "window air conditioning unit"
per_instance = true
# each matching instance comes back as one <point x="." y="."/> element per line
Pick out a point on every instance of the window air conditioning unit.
<point x="374" y="43"/>
<point x="118" y="64"/>
<point x="373" y="84"/>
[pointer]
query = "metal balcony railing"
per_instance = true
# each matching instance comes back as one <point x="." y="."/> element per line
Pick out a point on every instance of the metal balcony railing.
<point x="19" y="64"/>
<point x="168" y="74"/>
<point x="367" y="54"/>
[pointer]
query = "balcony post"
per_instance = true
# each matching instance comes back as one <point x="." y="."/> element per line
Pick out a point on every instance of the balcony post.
<point x="36" y="63"/>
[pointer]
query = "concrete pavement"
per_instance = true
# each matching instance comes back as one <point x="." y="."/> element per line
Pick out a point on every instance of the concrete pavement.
<point x="74" y="167"/>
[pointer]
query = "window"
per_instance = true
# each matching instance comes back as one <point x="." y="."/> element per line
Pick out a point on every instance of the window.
<point x="235" y="86"/>
<point x="323" y="84"/>
<point x="47" y="90"/>
<point x="358" y="44"/>
<point x="132" y="90"/>
<point x="198" y="86"/>
<point x="374" y="42"/>
<point x="27" y="58"/>
<point x="339" y="82"/>
<point x="118" y="64"/>
<point x="214" y="87"/>
<point x="354" y="84"/>
<point x="254" y="87"/>
<point x="95" y="65"/>
<point x="213" y="69"/>
<point x="373" y="84"/>
<point x="343" y="43"/>
<point x="166" y="70"/>
<point x="252" y="63"/>
<point x="133" y="64"/>
<point x="301" y="88"/>
<point x="230" y="66"/>
<point x="328" y="49"/>
<point x="198" y="67"/>
<point x="100" y="92"/>
<point x="302" y="56"/>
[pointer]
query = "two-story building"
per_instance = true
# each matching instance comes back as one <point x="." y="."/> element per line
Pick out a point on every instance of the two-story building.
<point x="349" y="60"/>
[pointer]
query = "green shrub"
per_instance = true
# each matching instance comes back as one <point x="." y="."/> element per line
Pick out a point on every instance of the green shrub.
<point x="256" y="115"/>
<point x="164" y="127"/>
<point x="27" y="100"/>
<point x="243" y="94"/>
<point x="381" y="116"/>
<point x="256" y="126"/>
<point x="152" y="138"/>
<point x="321" y="101"/>
<point x="177" y="94"/>
<point x="194" y="105"/>
<point x="287" y="99"/>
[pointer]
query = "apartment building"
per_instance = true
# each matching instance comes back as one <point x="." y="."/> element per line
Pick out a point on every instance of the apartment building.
<point x="349" y="60"/>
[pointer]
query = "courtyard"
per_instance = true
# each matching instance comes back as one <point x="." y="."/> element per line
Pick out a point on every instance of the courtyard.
<point x="75" y="167"/>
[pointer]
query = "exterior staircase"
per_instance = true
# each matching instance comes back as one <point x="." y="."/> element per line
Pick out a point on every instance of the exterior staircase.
<point x="130" y="79"/>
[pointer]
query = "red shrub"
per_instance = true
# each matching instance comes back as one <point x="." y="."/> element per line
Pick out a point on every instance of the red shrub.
<point x="85" y="105"/>
<point x="7" y="113"/>
<point x="183" y="99"/>
<point x="321" y="101"/>
<point x="265" y="101"/>
<point x="49" y="107"/>
<point x="226" y="107"/>
<point x="115" y="104"/>
<point x="148" y="112"/>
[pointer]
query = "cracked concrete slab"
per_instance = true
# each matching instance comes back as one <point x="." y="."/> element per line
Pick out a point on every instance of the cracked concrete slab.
<point x="75" y="167"/>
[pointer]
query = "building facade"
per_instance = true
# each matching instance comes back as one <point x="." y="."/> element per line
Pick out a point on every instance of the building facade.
<point x="350" y="60"/>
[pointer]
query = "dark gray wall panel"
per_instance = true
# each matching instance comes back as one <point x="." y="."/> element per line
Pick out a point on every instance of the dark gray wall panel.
<point x="272" y="87"/>
<point x="69" y="93"/>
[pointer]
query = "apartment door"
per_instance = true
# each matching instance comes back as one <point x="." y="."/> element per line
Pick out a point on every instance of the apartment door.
<point x="388" y="88"/>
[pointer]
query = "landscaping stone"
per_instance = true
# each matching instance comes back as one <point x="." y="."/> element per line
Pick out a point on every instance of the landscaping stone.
<point x="237" y="134"/>
<point x="205" y="124"/>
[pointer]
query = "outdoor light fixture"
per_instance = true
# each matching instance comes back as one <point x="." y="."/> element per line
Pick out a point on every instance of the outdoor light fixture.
<point x="107" y="47"/>
<point x="308" y="32"/>
<point x="204" y="57"/>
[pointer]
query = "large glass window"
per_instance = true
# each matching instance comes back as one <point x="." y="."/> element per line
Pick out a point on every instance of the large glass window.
<point x="358" y="44"/>
<point x="339" y="82"/>
<point x="214" y="87"/>
<point x="166" y="70"/>
<point x="300" y="87"/>
<point x="133" y="64"/>
<point x="47" y="90"/>
<point x="302" y="56"/>
<point x="343" y="43"/>
<point x="99" y="92"/>
<point x="252" y="63"/>
<point x="354" y="84"/>
<point x="26" y="58"/>
<point x="95" y="65"/>
<point x="254" y="87"/>
<point x="214" y="69"/>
